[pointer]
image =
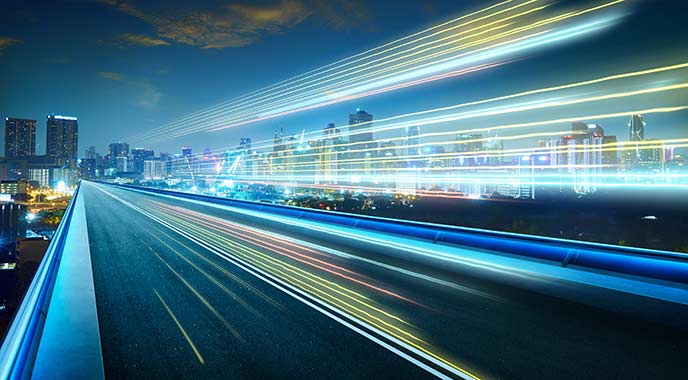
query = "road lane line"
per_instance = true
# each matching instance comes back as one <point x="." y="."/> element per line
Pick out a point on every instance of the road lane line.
<point x="224" y="271"/>
<point x="323" y="306"/>
<point x="210" y="278"/>
<point x="179" y="325"/>
<point x="201" y="298"/>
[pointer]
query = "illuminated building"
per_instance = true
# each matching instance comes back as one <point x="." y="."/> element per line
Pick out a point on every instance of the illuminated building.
<point x="186" y="151"/>
<point x="154" y="169"/>
<point x="138" y="157"/>
<point x="244" y="149"/>
<point x="360" y="138"/>
<point x="411" y="143"/>
<point x="610" y="155"/>
<point x="360" y="121"/>
<point x="494" y="147"/>
<point x="91" y="152"/>
<point x="40" y="177"/>
<point x="468" y="143"/>
<point x="332" y="153"/>
<point x="12" y="224"/>
<point x="636" y="128"/>
<point x="244" y="145"/>
<point x="13" y="187"/>
<point x="63" y="140"/>
<point x="122" y="164"/>
<point x="20" y="138"/>
<point x="115" y="150"/>
<point x="636" y="133"/>
<point x="66" y="176"/>
<point x="88" y="168"/>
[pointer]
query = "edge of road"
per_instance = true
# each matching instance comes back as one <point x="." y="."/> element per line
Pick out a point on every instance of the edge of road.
<point x="648" y="298"/>
<point x="647" y="263"/>
<point x="70" y="344"/>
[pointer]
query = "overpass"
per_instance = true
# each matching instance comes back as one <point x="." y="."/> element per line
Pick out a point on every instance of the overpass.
<point x="150" y="283"/>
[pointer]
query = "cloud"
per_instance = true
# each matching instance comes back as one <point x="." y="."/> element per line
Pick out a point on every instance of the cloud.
<point x="239" y="24"/>
<point x="132" y="39"/>
<point x="111" y="75"/>
<point x="7" y="42"/>
<point x="341" y="14"/>
<point x="148" y="95"/>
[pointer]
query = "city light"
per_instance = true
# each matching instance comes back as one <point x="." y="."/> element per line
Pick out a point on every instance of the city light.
<point x="344" y="189"/>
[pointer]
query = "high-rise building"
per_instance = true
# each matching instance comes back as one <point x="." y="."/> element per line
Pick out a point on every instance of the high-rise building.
<point x="468" y="144"/>
<point x="411" y="143"/>
<point x="122" y="164"/>
<point x="88" y="168"/>
<point x="332" y="153"/>
<point x="636" y="128"/>
<point x="358" y="122"/>
<point x="493" y="148"/>
<point x="91" y="152"/>
<point x="361" y="140"/>
<point x="154" y="169"/>
<point x="636" y="133"/>
<point x="138" y="156"/>
<point x="245" y="145"/>
<point x="116" y="150"/>
<point x="166" y="159"/>
<point x="63" y="140"/>
<point x="186" y="151"/>
<point x="20" y="138"/>
<point x="244" y="150"/>
<point x="610" y="153"/>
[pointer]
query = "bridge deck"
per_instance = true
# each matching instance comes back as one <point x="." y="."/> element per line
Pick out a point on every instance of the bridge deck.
<point x="190" y="289"/>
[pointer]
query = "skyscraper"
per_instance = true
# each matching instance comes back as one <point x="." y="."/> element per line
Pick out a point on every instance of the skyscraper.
<point x="361" y="138"/>
<point x="63" y="140"/>
<point x="636" y="132"/>
<point x="20" y="138"/>
<point x="359" y="121"/>
<point x="636" y="128"/>
<point x="117" y="149"/>
<point x="468" y="144"/>
<point x="138" y="156"/>
<point x="186" y="151"/>
<point x="412" y="140"/>
<point x="411" y="143"/>
<point x="245" y="145"/>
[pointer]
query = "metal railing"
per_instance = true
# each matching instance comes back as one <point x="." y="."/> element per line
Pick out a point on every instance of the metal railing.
<point x="20" y="345"/>
<point x="648" y="263"/>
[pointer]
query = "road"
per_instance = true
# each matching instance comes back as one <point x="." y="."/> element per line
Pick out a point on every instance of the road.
<point x="191" y="290"/>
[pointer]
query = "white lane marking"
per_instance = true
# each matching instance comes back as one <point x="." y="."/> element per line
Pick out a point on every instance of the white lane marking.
<point x="511" y="271"/>
<point x="312" y="301"/>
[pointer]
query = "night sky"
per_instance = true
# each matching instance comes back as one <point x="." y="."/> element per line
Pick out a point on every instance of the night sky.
<point x="125" y="66"/>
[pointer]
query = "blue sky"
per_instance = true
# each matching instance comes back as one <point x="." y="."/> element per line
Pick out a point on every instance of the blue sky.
<point x="123" y="66"/>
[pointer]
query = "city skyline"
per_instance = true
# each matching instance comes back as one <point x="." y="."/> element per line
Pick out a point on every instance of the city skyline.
<point x="120" y="126"/>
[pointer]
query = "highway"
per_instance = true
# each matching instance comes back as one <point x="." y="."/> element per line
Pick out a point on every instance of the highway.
<point x="186" y="289"/>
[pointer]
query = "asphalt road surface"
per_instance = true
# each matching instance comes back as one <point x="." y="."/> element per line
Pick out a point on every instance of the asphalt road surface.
<point x="191" y="290"/>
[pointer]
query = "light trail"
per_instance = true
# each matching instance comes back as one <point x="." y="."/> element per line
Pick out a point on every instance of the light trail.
<point x="426" y="121"/>
<point x="181" y="328"/>
<point x="447" y="64"/>
<point x="543" y="123"/>
<point x="231" y="229"/>
<point x="338" y="64"/>
<point x="254" y="102"/>
<point x="336" y="293"/>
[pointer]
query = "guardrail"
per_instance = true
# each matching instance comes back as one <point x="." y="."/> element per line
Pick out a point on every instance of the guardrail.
<point x="660" y="265"/>
<point x="19" y="348"/>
